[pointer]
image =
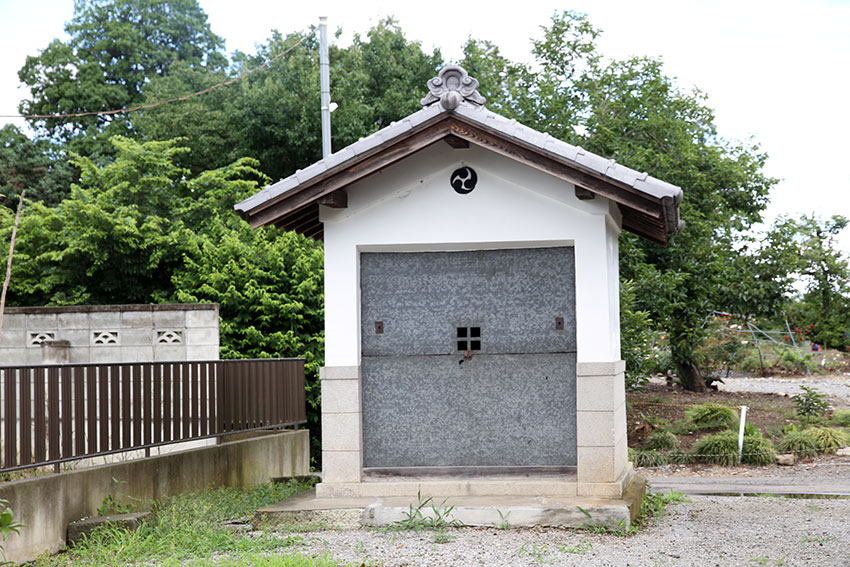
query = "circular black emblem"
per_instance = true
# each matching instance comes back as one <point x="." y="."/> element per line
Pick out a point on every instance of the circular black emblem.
<point x="463" y="180"/>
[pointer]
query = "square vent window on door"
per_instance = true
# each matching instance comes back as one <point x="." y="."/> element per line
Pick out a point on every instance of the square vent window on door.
<point x="468" y="338"/>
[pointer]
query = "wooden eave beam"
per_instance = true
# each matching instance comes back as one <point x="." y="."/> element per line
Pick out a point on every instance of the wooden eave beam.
<point x="336" y="200"/>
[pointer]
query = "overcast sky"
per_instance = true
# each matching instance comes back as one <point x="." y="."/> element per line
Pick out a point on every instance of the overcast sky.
<point x="775" y="71"/>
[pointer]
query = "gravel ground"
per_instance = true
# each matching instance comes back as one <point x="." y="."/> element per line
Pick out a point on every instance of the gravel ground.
<point x="708" y="531"/>
<point x="835" y="387"/>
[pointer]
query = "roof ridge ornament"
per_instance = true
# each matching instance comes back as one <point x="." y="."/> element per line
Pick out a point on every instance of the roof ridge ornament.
<point x="451" y="86"/>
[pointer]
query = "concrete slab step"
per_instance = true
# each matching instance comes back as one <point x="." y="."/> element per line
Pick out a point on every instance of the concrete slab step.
<point x="480" y="510"/>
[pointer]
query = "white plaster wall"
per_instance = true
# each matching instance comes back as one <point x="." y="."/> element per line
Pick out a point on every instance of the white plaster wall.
<point x="410" y="206"/>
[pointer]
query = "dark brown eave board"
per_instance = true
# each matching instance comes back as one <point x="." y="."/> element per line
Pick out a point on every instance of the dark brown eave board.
<point x="643" y="214"/>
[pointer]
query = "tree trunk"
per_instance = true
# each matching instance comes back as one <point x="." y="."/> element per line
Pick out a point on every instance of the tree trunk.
<point x="691" y="378"/>
<point x="9" y="263"/>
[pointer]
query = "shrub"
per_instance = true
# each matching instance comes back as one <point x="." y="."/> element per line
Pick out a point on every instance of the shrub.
<point x="648" y="458"/>
<point x="710" y="416"/>
<point x="799" y="443"/>
<point x="841" y="417"/>
<point x="828" y="439"/>
<point x="661" y="440"/>
<point x="722" y="449"/>
<point x="810" y="402"/>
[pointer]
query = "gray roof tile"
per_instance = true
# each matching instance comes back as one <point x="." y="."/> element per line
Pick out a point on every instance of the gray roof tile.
<point x="487" y="119"/>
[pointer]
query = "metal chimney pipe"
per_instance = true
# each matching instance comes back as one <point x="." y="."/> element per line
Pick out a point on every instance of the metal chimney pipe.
<point x="324" y="73"/>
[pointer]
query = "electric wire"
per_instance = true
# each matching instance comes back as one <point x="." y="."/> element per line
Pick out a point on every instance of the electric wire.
<point x="162" y="102"/>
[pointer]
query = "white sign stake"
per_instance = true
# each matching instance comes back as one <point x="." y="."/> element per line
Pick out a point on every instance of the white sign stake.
<point x="741" y="432"/>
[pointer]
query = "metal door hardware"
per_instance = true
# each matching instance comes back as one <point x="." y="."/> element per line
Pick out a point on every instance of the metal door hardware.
<point x="379" y="327"/>
<point x="559" y="323"/>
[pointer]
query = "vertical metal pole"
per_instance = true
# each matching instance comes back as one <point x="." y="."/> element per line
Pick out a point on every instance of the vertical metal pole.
<point x="324" y="72"/>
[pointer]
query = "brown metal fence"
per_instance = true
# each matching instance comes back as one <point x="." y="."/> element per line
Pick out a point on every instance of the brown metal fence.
<point x="57" y="413"/>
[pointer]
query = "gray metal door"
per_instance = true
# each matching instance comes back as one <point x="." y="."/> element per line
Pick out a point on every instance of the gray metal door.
<point x="468" y="358"/>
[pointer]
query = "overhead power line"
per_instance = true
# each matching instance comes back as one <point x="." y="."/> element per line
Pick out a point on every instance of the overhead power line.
<point x="162" y="102"/>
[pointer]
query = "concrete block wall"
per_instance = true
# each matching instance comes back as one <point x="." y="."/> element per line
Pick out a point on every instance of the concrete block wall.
<point x="109" y="333"/>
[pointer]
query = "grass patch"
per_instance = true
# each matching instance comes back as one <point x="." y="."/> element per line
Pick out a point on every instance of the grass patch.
<point x="189" y="529"/>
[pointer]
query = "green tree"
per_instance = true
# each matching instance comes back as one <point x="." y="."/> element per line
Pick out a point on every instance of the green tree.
<point x="273" y="115"/>
<point x="631" y="111"/>
<point x="142" y="229"/>
<point x="38" y="166"/>
<point x="823" y="310"/>
<point x="115" y="48"/>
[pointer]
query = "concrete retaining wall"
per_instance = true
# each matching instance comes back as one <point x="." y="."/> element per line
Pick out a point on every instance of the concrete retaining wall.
<point x="46" y="504"/>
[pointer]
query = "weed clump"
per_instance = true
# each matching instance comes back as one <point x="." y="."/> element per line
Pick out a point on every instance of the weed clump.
<point x="710" y="416"/>
<point x="661" y="440"/>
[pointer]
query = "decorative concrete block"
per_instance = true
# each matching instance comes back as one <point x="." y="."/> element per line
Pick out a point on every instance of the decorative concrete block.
<point x="201" y="336"/>
<point x="341" y="466"/>
<point x="596" y="464"/>
<point x="42" y="321"/>
<point x="340" y="396"/>
<point x="341" y="431"/>
<point x="136" y="319"/>
<point x="202" y="318"/>
<point x="169" y="319"/>
<point x="72" y="320"/>
<point x="595" y="428"/>
<point x="204" y="352"/>
<point x="339" y="373"/>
